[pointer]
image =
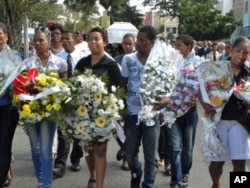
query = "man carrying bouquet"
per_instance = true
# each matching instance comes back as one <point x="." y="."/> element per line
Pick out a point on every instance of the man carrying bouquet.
<point x="72" y="56"/>
<point x="132" y="70"/>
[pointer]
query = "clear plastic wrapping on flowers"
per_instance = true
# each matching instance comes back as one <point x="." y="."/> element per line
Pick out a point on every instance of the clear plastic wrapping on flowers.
<point x="92" y="113"/>
<point x="216" y="82"/>
<point x="158" y="78"/>
<point x="10" y="66"/>
<point x="211" y="145"/>
<point x="186" y="88"/>
<point x="242" y="90"/>
<point x="216" y="86"/>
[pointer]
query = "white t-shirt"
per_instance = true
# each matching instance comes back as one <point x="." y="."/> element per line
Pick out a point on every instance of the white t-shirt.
<point x="83" y="47"/>
<point x="132" y="69"/>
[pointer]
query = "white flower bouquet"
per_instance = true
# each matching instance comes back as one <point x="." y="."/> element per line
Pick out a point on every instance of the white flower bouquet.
<point x="38" y="96"/>
<point x="158" y="79"/>
<point x="10" y="66"/>
<point x="216" y="86"/>
<point x="92" y="112"/>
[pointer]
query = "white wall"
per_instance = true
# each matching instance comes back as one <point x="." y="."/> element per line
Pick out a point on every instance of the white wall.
<point x="225" y="6"/>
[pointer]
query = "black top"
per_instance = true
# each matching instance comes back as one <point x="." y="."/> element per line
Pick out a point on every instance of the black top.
<point x="106" y="64"/>
<point x="203" y="52"/>
<point x="235" y="107"/>
<point x="119" y="59"/>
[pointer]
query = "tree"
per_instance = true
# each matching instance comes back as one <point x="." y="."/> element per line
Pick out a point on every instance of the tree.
<point x="37" y="13"/>
<point x="113" y="4"/>
<point x="13" y="13"/>
<point x="127" y="14"/>
<point x="199" y="18"/>
<point x="89" y="7"/>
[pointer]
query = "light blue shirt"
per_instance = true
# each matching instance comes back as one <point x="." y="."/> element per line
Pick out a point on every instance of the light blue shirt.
<point x="132" y="69"/>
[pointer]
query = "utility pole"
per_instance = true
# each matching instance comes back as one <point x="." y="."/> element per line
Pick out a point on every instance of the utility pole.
<point x="26" y="37"/>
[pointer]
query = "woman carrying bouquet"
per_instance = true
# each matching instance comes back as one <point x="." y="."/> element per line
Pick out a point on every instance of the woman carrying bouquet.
<point x="181" y="135"/>
<point x="100" y="63"/>
<point x="42" y="134"/>
<point x="232" y="134"/>
<point x="8" y="114"/>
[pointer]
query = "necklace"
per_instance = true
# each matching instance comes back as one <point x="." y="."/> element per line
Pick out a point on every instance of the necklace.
<point x="55" y="50"/>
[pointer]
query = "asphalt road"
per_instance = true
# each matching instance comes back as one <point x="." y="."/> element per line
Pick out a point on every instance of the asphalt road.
<point x="23" y="176"/>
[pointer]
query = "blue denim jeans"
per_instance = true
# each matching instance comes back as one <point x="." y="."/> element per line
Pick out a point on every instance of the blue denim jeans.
<point x="149" y="136"/>
<point x="41" y="141"/>
<point x="8" y="122"/>
<point x="181" y="142"/>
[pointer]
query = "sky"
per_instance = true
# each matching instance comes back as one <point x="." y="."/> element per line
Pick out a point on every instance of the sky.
<point x="138" y="4"/>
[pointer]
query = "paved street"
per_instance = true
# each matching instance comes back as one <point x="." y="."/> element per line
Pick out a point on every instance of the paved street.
<point x="115" y="177"/>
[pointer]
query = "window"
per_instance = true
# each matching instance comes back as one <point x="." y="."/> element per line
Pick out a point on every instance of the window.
<point x="246" y="6"/>
<point x="174" y="30"/>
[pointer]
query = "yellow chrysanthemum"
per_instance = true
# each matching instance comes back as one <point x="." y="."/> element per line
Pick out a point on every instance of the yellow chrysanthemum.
<point x="15" y="99"/>
<point x="26" y="108"/>
<point x="216" y="101"/>
<point x="59" y="82"/>
<point x="39" y="88"/>
<point x="34" y="104"/>
<point x="100" y="122"/>
<point x="42" y="114"/>
<point x="42" y="80"/>
<point x="54" y="96"/>
<point x="24" y="114"/>
<point x="82" y="110"/>
<point x="33" y="115"/>
<point x="57" y="107"/>
<point x="53" y="74"/>
<point x="80" y="127"/>
<point x="49" y="107"/>
<point x="98" y="96"/>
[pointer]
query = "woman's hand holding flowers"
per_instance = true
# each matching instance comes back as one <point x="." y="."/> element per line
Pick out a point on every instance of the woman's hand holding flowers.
<point x="209" y="109"/>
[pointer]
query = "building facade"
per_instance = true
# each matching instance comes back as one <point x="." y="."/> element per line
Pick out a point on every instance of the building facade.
<point x="224" y="6"/>
<point x="246" y="18"/>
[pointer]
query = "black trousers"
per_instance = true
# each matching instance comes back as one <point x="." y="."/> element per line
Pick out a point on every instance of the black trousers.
<point x="64" y="149"/>
<point x="163" y="149"/>
<point x="8" y="122"/>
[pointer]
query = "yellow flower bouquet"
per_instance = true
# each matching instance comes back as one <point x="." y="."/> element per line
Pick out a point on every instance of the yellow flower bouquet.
<point x="38" y="96"/>
<point x="92" y="113"/>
